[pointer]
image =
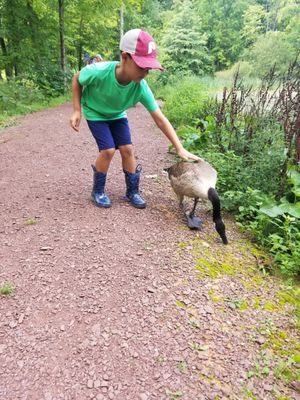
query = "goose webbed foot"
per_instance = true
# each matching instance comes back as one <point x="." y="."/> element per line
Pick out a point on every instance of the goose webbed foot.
<point x="193" y="221"/>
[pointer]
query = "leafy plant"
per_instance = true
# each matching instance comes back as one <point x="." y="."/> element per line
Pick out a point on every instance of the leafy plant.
<point x="6" y="288"/>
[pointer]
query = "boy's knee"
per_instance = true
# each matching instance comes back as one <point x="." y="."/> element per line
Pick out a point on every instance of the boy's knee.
<point x="126" y="151"/>
<point x="108" y="153"/>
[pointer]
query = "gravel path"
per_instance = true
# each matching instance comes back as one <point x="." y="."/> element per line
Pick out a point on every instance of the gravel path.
<point x="122" y="303"/>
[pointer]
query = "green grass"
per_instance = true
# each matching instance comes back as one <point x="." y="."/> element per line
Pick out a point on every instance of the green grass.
<point x="31" y="221"/>
<point x="8" y="116"/>
<point x="6" y="289"/>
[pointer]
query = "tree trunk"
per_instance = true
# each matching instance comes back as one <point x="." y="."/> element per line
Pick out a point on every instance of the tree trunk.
<point x="8" y="69"/>
<point x="62" y="35"/>
<point x="79" y="51"/>
<point x="121" y="21"/>
<point x="297" y="139"/>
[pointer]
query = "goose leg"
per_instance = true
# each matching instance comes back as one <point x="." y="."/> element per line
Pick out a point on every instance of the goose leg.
<point x="193" y="221"/>
<point x="194" y="208"/>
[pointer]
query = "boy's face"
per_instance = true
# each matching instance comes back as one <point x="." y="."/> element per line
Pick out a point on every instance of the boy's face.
<point x="133" y="71"/>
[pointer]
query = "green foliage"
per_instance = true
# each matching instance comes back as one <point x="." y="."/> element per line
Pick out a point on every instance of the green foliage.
<point x="276" y="225"/>
<point x="50" y="79"/>
<point x="22" y="96"/>
<point x="183" y="101"/>
<point x="247" y="180"/>
<point x="184" y="42"/>
<point x="245" y="69"/>
<point x="272" y="48"/>
<point x="18" y="95"/>
<point x="222" y="21"/>
<point x="6" y="289"/>
<point x="254" y="23"/>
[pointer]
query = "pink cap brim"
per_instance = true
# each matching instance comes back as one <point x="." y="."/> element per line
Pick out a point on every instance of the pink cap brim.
<point x="147" y="62"/>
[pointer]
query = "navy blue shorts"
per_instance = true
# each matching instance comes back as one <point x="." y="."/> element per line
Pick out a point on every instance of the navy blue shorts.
<point x="110" y="134"/>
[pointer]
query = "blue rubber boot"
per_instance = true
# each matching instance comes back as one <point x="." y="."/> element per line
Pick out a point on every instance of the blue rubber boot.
<point x="99" y="197"/>
<point x="132" y="184"/>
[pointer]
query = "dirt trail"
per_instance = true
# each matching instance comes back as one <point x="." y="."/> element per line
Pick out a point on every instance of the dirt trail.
<point x="108" y="303"/>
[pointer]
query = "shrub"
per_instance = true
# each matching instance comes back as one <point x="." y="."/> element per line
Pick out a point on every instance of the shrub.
<point x="183" y="101"/>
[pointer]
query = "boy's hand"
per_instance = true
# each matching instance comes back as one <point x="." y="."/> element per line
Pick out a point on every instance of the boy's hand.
<point x="75" y="120"/>
<point x="186" y="155"/>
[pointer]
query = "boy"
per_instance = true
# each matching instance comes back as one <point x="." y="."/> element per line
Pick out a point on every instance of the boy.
<point x="110" y="88"/>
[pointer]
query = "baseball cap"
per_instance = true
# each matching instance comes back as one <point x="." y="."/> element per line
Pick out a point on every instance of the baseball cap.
<point x="141" y="46"/>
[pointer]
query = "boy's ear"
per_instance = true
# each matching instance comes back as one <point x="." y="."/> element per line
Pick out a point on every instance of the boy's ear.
<point x="124" y="55"/>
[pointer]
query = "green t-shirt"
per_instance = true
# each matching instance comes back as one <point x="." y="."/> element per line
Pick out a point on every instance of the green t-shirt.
<point x="104" y="98"/>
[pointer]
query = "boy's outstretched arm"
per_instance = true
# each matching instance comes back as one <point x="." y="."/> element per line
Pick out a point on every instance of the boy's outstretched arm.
<point x="76" y="115"/>
<point x="164" y="125"/>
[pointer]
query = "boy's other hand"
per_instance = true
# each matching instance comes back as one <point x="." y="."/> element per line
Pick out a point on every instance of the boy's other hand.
<point x="75" y="120"/>
<point x="186" y="155"/>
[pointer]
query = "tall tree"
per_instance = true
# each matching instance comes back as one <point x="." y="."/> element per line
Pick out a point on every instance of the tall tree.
<point x="223" y="22"/>
<point x="62" y="35"/>
<point x="183" y="41"/>
<point x="254" y="23"/>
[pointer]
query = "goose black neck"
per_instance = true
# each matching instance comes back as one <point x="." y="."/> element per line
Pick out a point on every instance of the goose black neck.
<point x="219" y="224"/>
<point x="214" y="198"/>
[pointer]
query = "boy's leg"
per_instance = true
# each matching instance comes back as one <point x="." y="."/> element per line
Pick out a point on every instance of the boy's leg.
<point x="103" y="160"/>
<point x="106" y="145"/>
<point x="122" y="138"/>
<point x="128" y="159"/>
<point x="132" y="176"/>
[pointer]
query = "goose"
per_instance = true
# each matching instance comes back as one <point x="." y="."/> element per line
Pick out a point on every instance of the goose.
<point x="197" y="180"/>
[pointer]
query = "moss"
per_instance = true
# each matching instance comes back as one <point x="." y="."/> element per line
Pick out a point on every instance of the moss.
<point x="182" y="245"/>
<point x="215" y="298"/>
<point x="180" y="304"/>
<point x="257" y="302"/>
<point x="242" y="263"/>
<point x="270" y="306"/>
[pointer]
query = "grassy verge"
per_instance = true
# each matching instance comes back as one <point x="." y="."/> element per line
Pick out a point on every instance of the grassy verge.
<point x="9" y="116"/>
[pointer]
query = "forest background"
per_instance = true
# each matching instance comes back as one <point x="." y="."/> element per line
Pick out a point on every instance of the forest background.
<point x="231" y="89"/>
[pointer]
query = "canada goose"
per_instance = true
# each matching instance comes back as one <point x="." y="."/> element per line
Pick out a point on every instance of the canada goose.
<point x="197" y="180"/>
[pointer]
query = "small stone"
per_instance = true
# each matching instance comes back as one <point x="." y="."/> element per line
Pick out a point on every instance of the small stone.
<point x="260" y="340"/>
<point x="143" y="396"/>
<point x="90" y="384"/>
<point x="96" y="329"/>
<point x="167" y="375"/>
<point x="48" y="396"/>
<point x="268" y="388"/>
<point x="154" y="176"/>
<point x="13" y="324"/>
<point x="226" y="391"/>
<point x="208" y="310"/>
<point x="100" y="397"/>
<point x="145" y="301"/>
<point x="21" y="318"/>
<point x="295" y="385"/>
<point x="97" y="384"/>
